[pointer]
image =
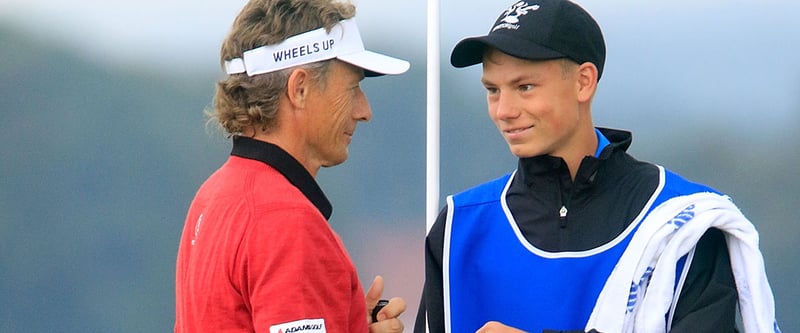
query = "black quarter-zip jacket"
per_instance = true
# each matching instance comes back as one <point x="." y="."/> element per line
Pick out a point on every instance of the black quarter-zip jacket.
<point x="558" y="214"/>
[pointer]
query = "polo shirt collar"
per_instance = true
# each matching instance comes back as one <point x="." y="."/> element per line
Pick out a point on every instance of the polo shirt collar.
<point x="287" y="165"/>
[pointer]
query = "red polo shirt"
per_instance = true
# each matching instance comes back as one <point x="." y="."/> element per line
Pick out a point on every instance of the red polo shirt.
<point x="257" y="253"/>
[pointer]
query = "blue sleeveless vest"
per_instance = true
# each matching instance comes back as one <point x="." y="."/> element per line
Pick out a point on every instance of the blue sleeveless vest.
<point x="492" y="273"/>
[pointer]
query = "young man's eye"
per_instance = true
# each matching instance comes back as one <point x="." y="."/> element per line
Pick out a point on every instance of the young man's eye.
<point x="526" y="87"/>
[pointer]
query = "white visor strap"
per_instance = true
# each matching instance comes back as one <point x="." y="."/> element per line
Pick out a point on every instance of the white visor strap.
<point x="316" y="45"/>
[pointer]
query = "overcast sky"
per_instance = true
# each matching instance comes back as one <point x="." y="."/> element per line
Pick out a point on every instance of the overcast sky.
<point x="173" y="31"/>
<point x="185" y="32"/>
<point x="751" y="46"/>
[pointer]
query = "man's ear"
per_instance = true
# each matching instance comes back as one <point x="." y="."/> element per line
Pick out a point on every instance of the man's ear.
<point x="297" y="87"/>
<point x="587" y="81"/>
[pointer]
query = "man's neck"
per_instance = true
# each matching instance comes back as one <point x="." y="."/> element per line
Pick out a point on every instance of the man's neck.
<point x="291" y="145"/>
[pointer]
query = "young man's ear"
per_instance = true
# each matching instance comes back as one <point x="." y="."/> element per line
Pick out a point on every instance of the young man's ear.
<point x="297" y="87"/>
<point x="587" y="81"/>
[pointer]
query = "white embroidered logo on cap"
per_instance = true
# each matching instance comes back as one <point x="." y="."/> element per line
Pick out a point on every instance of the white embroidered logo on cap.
<point x="303" y="325"/>
<point x="512" y="14"/>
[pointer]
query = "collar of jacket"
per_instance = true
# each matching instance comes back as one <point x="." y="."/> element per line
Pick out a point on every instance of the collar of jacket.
<point x="545" y="167"/>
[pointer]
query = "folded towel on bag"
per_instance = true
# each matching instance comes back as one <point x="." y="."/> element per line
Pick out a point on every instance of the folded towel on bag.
<point x="640" y="292"/>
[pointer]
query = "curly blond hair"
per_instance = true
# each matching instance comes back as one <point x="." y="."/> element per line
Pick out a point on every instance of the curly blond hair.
<point x="244" y="102"/>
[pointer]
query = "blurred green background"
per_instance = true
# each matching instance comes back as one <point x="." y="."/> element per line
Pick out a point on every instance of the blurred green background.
<point x="103" y="140"/>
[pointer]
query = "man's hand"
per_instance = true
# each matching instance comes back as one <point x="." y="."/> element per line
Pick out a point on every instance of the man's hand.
<point x="388" y="321"/>
<point x="497" y="327"/>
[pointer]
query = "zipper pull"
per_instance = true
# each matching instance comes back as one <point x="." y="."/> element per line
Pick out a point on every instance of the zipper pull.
<point x="562" y="214"/>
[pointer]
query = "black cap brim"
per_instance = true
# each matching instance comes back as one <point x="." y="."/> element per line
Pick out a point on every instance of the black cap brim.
<point x="469" y="51"/>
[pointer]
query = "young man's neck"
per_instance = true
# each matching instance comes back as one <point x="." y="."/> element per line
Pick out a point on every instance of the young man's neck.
<point x="587" y="146"/>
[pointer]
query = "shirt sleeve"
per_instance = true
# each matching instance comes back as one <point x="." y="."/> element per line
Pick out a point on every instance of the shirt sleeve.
<point x="293" y="267"/>
<point x="707" y="302"/>
<point x="432" y="301"/>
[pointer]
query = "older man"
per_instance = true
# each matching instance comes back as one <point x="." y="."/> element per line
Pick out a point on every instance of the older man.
<point x="257" y="253"/>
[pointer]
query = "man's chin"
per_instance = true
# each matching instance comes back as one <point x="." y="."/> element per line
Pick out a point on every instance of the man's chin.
<point x="520" y="152"/>
<point x="335" y="162"/>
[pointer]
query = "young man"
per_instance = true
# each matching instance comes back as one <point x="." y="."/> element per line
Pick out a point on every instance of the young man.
<point x="581" y="237"/>
<point x="257" y="253"/>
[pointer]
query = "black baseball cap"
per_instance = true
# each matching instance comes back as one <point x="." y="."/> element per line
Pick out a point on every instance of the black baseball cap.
<point x="538" y="30"/>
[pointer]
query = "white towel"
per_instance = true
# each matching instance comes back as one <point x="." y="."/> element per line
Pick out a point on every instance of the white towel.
<point x="640" y="290"/>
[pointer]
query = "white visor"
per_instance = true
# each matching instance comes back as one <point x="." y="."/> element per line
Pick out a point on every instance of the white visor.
<point x="342" y="42"/>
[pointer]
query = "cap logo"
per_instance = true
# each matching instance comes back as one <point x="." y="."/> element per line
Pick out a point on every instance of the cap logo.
<point x="511" y="16"/>
<point x="305" y="48"/>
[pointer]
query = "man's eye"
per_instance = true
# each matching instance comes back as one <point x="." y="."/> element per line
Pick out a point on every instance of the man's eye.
<point x="526" y="87"/>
